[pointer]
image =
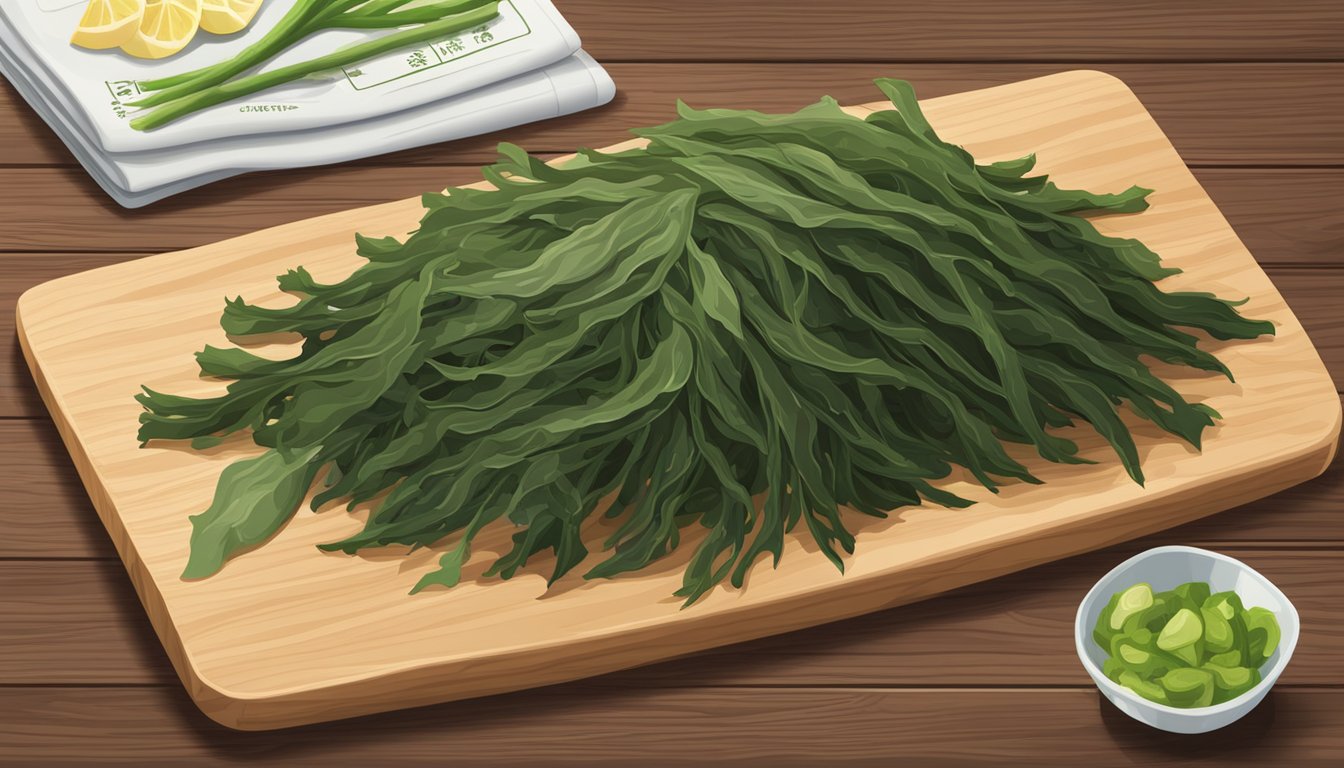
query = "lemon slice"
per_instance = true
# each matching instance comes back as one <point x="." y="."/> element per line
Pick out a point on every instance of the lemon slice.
<point x="108" y="23"/>
<point x="224" y="17"/>
<point x="167" y="27"/>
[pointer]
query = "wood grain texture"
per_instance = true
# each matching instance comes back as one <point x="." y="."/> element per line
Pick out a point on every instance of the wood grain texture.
<point x="1226" y="114"/>
<point x="971" y="30"/>
<point x="49" y="514"/>
<point x="69" y="626"/>
<point x="584" y="726"/>
<point x="1289" y="215"/>
<point x="252" y="661"/>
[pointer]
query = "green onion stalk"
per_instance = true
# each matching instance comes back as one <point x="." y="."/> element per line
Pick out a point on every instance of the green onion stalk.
<point x="183" y="94"/>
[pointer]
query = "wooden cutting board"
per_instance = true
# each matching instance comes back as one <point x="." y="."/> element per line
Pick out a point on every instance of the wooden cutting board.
<point x="286" y="635"/>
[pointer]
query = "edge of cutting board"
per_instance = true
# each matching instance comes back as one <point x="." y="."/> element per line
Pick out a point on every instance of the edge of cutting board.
<point x="620" y="647"/>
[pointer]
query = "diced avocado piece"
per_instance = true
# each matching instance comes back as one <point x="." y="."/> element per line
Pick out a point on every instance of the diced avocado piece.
<point x="1195" y="592"/>
<point x="1263" y="634"/>
<point x="1154" y="617"/>
<point x="1143" y="639"/>
<point x="1255" y="648"/>
<point x="1241" y="639"/>
<point x="1102" y="633"/>
<point x="1218" y="636"/>
<point x="1137" y="598"/>
<point x="1112" y="669"/>
<point x="1188" y="654"/>
<point x="1188" y="687"/>
<point x="1183" y="629"/>
<point x="1228" y="678"/>
<point x="1140" y="637"/>
<point x="1226" y="603"/>
<point x="1133" y="655"/>
<point x="1145" y="660"/>
<point x="1231" y="682"/>
<point x="1113" y="647"/>
<point x="1150" y="691"/>
<point x="1230" y="658"/>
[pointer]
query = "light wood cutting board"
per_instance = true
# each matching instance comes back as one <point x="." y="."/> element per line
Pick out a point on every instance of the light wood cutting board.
<point x="286" y="635"/>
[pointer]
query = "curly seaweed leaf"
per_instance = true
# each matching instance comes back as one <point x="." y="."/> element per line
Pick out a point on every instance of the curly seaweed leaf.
<point x="254" y="499"/>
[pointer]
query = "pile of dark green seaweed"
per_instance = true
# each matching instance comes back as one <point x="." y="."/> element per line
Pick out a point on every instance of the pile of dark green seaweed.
<point x="810" y="310"/>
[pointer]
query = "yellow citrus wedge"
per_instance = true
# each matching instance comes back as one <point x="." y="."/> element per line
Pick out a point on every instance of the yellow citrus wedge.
<point x="224" y="17"/>
<point x="108" y="23"/>
<point x="167" y="27"/>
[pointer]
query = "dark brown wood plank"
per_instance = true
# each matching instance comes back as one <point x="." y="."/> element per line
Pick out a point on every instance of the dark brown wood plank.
<point x="1314" y="296"/>
<point x="974" y="30"/>
<point x="579" y="726"/>
<point x="46" y="512"/>
<point x="1232" y="114"/>
<point x="70" y="622"/>
<point x="1283" y="216"/>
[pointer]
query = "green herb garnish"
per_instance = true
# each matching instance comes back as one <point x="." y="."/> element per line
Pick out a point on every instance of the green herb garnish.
<point x="188" y="92"/>
<point x="809" y="311"/>
<point x="1185" y="647"/>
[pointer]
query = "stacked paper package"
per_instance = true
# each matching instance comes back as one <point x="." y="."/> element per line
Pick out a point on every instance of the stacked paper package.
<point x="523" y="66"/>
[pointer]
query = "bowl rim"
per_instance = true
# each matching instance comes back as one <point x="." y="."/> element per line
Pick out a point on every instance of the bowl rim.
<point x="1082" y="635"/>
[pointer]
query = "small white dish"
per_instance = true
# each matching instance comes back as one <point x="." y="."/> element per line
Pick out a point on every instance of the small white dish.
<point x="1165" y="568"/>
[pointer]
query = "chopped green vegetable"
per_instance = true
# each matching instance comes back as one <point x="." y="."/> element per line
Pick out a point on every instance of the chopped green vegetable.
<point x="1263" y="632"/>
<point x="1195" y="592"/>
<point x="1188" y="687"/>
<point x="1218" y="636"/>
<point x="1153" y="618"/>
<point x="1232" y="678"/>
<point x="1144" y="688"/>
<point x="1112" y="668"/>
<point x="1181" y="630"/>
<point x="1188" y="654"/>
<point x="753" y="323"/>
<point x="1227" y="604"/>
<point x="183" y="94"/>
<point x="1187" y="648"/>
<point x="1138" y="654"/>
<point x="1133" y="600"/>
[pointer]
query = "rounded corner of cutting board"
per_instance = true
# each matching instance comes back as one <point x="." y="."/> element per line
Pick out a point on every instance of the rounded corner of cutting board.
<point x="1098" y="78"/>
<point x="25" y="307"/>
<point x="1328" y="444"/>
<point x="231" y="709"/>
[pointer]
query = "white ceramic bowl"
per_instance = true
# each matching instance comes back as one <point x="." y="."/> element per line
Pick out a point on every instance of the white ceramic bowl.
<point x="1165" y="568"/>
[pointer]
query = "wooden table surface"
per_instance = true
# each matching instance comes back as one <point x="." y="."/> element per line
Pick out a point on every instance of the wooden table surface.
<point x="1252" y="95"/>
